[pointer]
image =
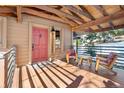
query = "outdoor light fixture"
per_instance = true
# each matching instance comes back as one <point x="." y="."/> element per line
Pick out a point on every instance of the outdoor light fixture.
<point x="75" y="36"/>
<point x="52" y="30"/>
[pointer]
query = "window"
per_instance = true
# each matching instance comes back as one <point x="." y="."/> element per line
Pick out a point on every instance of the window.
<point x="57" y="40"/>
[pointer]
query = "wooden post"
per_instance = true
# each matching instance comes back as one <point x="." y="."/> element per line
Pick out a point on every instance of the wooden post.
<point x="5" y="71"/>
<point x="97" y="64"/>
<point x="53" y="42"/>
<point x="77" y="46"/>
<point x="62" y="41"/>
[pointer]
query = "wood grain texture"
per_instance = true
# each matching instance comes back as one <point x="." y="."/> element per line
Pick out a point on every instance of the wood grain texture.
<point x="58" y="74"/>
<point x="99" y="21"/>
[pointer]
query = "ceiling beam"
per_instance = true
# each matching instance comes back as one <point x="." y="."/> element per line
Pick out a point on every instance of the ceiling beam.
<point x="83" y="21"/>
<point x="19" y="13"/>
<point x="86" y="11"/>
<point x="101" y="9"/>
<point x="7" y="10"/>
<point x="42" y="14"/>
<point x="7" y="14"/>
<point x="109" y="28"/>
<point x="122" y="7"/>
<point x="74" y="14"/>
<point x="68" y="21"/>
<point x="98" y="21"/>
<point x="77" y="11"/>
<point x="104" y="13"/>
<point x="55" y="11"/>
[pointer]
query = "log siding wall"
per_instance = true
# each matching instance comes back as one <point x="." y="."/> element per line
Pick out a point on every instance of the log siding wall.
<point x="18" y="34"/>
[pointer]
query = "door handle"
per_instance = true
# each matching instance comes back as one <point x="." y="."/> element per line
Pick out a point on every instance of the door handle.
<point x="32" y="46"/>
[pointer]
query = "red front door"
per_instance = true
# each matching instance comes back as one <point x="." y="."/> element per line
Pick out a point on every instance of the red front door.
<point x="39" y="44"/>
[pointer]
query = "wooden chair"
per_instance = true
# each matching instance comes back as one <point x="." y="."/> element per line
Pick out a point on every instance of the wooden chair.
<point x="106" y="61"/>
<point x="71" y="53"/>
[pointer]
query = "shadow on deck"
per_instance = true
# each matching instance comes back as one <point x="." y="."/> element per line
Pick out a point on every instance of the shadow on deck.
<point x="58" y="74"/>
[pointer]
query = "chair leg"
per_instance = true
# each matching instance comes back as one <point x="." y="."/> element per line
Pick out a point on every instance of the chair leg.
<point x="76" y="57"/>
<point x="80" y="61"/>
<point x="97" y="65"/>
<point x="67" y="58"/>
<point x="90" y="62"/>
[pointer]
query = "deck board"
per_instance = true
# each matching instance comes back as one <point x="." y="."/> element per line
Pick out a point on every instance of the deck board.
<point x="1" y="73"/>
<point x="44" y="77"/>
<point x="58" y="74"/>
<point x="16" y="79"/>
<point x="49" y="75"/>
<point x="34" y="77"/>
<point x="25" y="78"/>
<point x="66" y="70"/>
<point x="55" y="77"/>
<point x="61" y="76"/>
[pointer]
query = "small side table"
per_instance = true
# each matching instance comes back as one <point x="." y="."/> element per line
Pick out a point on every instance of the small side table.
<point x="85" y="57"/>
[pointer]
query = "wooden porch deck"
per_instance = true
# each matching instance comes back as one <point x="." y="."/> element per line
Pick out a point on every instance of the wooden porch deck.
<point x="58" y="74"/>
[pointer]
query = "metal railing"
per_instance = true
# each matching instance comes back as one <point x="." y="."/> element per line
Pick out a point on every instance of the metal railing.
<point x="9" y="67"/>
<point x="93" y="50"/>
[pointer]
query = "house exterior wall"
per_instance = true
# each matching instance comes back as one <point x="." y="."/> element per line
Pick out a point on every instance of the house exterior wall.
<point x="19" y="34"/>
<point x="3" y="29"/>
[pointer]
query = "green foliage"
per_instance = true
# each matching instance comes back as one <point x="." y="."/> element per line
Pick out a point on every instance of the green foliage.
<point x="117" y="32"/>
<point x="101" y="37"/>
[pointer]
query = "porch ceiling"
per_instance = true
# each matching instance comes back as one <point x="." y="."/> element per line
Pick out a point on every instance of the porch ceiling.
<point x="89" y="18"/>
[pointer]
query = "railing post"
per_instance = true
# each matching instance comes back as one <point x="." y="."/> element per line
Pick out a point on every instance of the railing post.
<point x="5" y="71"/>
<point x="9" y="67"/>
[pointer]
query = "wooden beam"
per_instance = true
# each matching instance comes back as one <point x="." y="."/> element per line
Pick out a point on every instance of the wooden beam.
<point x="73" y="21"/>
<point x="18" y="12"/>
<point x="103" y="11"/>
<point x="83" y="21"/>
<point x="74" y="14"/>
<point x="86" y="11"/>
<point x="109" y="28"/>
<point x="7" y="14"/>
<point x="68" y="21"/>
<point x="42" y="14"/>
<point x="7" y="10"/>
<point x="98" y="21"/>
<point x="122" y="7"/>
<point x="77" y="11"/>
<point x="55" y="11"/>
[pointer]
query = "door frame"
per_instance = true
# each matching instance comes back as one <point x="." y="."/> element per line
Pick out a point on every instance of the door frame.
<point x="31" y="25"/>
<point x="3" y="23"/>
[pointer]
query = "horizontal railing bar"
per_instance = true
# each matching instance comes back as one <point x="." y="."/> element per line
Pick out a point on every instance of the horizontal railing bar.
<point x="10" y="60"/>
<point x="100" y="52"/>
<point x="100" y="48"/>
<point x="103" y="49"/>
<point x="11" y="69"/>
<point x="119" y="50"/>
<point x="103" y="46"/>
<point x="13" y="48"/>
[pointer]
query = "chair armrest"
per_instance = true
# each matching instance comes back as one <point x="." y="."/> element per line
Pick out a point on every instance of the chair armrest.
<point x="102" y="55"/>
<point x="101" y="58"/>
